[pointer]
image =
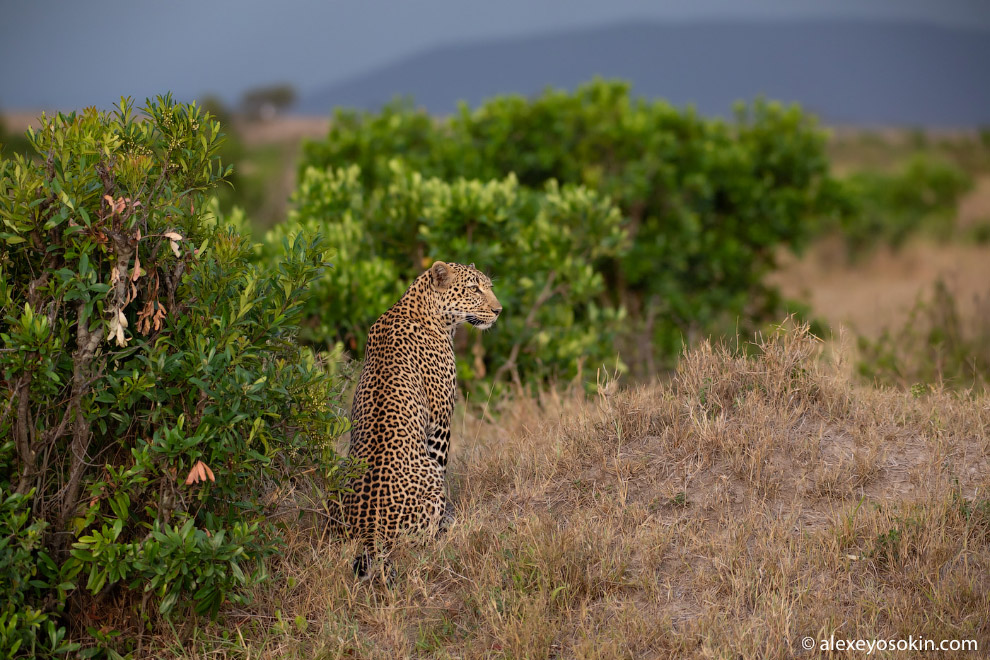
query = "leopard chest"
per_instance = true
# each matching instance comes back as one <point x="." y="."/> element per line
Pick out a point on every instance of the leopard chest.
<point x="438" y="371"/>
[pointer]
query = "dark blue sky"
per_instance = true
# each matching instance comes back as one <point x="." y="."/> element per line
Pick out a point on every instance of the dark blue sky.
<point x="71" y="54"/>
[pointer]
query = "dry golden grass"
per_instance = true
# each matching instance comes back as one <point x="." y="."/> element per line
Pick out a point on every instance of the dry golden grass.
<point x="727" y="514"/>
<point x="879" y="291"/>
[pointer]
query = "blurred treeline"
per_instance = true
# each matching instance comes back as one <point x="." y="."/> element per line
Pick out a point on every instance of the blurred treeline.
<point x="658" y="225"/>
<point x="701" y="207"/>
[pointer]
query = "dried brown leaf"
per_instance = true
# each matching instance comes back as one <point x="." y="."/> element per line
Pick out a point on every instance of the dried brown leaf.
<point x="145" y="317"/>
<point x="117" y="324"/>
<point x="195" y="474"/>
<point x="159" y="317"/>
<point x="118" y="205"/>
<point x="199" y="472"/>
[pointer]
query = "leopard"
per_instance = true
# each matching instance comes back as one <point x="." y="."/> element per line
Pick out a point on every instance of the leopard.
<point x="402" y="411"/>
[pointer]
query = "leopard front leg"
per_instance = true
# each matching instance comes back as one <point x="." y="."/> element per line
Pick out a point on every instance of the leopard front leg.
<point x="447" y="519"/>
<point x="438" y="451"/>
<point x="438" y="441"/>
<point x="438" y="447"/>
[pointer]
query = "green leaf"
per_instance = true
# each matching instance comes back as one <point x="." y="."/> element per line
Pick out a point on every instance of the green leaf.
<point x="12" y="239"/>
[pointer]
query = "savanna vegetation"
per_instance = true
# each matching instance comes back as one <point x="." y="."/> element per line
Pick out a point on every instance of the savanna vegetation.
<point x="634" y="474"/>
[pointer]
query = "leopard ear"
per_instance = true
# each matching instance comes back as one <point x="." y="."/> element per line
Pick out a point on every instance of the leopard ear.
<point x="472" y="266"/>
<point x="441" y="275"/>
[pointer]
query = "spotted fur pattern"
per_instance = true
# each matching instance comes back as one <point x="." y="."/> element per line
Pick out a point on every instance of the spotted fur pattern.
<point x="401" y="415"/>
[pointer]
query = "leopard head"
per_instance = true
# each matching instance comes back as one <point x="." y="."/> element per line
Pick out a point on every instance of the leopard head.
<point x="465" y="294"/>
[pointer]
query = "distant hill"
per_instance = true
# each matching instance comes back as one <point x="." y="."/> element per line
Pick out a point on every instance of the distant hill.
<point x="849" y="72"/>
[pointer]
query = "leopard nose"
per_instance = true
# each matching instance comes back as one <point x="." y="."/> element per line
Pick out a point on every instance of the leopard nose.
<point x="497" y="310"/>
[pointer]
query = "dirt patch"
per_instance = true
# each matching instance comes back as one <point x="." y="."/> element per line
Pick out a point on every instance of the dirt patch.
<point x="282" y="130"/>
<point x="974" y="208"/>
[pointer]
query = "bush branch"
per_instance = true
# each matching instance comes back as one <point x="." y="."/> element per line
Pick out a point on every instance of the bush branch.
<point x="82" y="358"/>
<point x="23" y="434"/>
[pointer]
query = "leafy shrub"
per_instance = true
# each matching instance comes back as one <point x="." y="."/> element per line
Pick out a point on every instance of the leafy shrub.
<point x="155" y="390"/>
<point x="922" y="195"/>
<point x="707" y="203"/>
<point x="25" y="629"/>
<point x="541" y="247"/>
<point x="935" y="345"/>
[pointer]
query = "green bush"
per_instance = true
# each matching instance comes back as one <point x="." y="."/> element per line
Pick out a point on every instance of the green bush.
<point x="155" y="388"/>
<point x="540" y="247"/>
<point x="708" y="204"/>
<point x="923" y="194"/>
<point x="25" y="629"/>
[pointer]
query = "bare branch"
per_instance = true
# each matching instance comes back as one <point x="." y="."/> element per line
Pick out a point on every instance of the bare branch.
<point x="530" y="322"/>
<point x="82" y="357"/>
<point x="22" y="434"/>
